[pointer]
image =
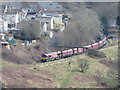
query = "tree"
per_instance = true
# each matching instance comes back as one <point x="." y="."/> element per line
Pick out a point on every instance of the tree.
<point x="118" y="21"/>
<point x="104" y="21"/>
<point x="82" y="29"/>
<point x="109" y="9"/>
<point x="83" y="64"/>
<point x="29" y="30"/>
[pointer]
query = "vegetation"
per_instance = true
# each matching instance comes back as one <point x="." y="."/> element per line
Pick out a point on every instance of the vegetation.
<point x="64" y="75"/>
<point x="30" y="30"/>
<point x="118" y="21"/>
<point x="96" y="54"/>
<point x="77" y="30"/>
<point x="58" y="26"/>
<point x="83" y="64"/>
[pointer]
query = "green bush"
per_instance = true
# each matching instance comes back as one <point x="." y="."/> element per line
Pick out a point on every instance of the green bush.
<point x="96" y="54"/>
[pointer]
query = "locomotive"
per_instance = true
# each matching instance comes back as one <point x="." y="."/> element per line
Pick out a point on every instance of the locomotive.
<point x="70" y="52"/>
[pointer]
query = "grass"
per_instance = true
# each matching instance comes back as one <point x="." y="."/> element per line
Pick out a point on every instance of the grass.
<point x="67" y="80"/>
<point x="63" y="73"/>
<point x="18" y="41"/>
<point x="111" y="52"/>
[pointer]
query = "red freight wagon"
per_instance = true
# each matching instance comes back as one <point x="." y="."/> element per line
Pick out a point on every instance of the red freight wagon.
<point x="95" y="45"/>
<point x="70" y="52"/>
<point x="101" y="43"/>
<point x="64" y="53"/>
<point x="88" y="46"/>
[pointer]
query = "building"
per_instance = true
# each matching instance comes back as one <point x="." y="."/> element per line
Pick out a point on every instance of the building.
<point x="12" y="16"/>
<point x="31" y="7"/>
<point x="46" y="22"/>
<point x="3" y="24"/>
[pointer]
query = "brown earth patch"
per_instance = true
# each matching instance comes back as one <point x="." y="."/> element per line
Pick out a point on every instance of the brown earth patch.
<point x="110" y="63"/>
<point x="21" y="54"/>
<point x="100" y="85"/>
<point x="85" y="78"/>
<point x="106" y="62"/>
<point x="21" y="77"/>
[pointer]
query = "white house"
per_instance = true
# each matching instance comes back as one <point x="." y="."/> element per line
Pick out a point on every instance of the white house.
<point x="3" y="24"/>
<point x="12" y="16"/>
<point x="46" y="22"/>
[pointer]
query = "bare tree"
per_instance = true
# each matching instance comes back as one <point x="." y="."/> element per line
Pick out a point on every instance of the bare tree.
<point x="83" y="64"/>
<point x="106" y="11"/>
<point x="30" y="30"/>
<point x="82" y="29"/>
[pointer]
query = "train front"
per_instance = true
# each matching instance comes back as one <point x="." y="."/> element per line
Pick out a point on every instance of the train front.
<point x="44" y="58"/>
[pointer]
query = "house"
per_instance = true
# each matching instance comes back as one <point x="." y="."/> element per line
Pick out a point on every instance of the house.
<point x="3" y="24"/>
<point x="3" y="8"/>
<point x="12" y="17"/>
<point x="46" y="22"/>
<point x="31" y="7"/>
<point x="54" y="19"/>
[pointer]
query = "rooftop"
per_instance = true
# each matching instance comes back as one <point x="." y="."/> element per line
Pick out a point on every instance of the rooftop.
<point x="12" y="11"/>
<point x="50" y="6"/>
<point x="14" y="4"/>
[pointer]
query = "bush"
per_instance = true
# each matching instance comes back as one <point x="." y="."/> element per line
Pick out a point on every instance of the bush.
<point x="96" y="54"/>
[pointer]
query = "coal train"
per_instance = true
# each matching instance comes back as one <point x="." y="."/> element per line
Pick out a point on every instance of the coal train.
<point x="75" y="51"/>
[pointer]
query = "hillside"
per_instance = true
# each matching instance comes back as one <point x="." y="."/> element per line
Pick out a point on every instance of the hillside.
<point x="102" y="72"/>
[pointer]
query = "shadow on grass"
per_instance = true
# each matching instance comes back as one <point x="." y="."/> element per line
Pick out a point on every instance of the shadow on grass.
<point x="76" y="71"/>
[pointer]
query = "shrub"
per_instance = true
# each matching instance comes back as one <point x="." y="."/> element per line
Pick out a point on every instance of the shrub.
<point x="96" y="54"/>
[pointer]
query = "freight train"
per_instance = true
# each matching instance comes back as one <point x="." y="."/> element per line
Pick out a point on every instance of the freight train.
<point x="75" y="51"/>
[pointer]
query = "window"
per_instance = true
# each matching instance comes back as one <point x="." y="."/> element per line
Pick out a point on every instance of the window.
<point x="47" y="22"/>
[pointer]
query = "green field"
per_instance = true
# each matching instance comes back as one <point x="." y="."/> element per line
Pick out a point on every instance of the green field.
<point x="65" y="74"/>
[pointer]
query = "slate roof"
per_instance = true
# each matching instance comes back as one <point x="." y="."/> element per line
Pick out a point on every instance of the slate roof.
<point x="49" y="6"/>
<point x="14" y="4"/>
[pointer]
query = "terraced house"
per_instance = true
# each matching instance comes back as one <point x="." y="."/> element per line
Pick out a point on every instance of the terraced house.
<point x="14" y="16"/>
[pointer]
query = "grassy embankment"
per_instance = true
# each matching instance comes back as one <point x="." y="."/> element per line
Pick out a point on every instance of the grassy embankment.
<point x="64" y="74"/>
